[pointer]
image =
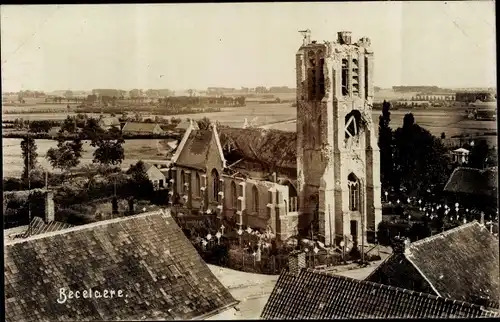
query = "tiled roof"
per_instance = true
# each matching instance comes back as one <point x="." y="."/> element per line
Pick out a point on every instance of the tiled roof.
<point x="139" y="127"/>
<point x="146" y="256"/>
<point x="473" y="181"/>
<point x="276" y="149"/>
<point x="195" y="151"/>
<point x="315" y="295"/>
<point x="461" y="263"/>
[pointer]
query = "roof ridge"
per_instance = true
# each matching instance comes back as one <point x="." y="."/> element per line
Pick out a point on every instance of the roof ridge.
<point x="89" y="226"/>
<point x="442" y="234"/>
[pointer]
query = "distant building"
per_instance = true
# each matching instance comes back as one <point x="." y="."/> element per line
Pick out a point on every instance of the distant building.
<point x="156" y="176"/>
<point x="460" y="156"/>
<point x="152" y="269"/>
<point x="319" y="295"/>
<point x="141" y="128"/>
<point x="107" y="123"/>
<point x="461" y="264"/>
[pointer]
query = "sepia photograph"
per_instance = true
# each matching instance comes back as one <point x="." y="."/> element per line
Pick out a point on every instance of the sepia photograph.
<point x="250" y="161"/>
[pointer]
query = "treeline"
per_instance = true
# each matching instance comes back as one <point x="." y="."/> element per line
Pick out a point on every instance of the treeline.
<point x="421" y="89"/>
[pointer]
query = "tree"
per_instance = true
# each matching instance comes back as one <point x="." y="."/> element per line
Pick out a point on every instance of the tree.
<point x="69" y="125"/>
<point x="204" y="123"/>
<point x="139" y="181"/>
<point x="479" y="154"/>
<point x="67" y="154"/>
<point x="29" y="154"/>
<point x="385" y="145"/>
<point x="92" y="130"/>
<point x="443" y="136"/>
<point x="40" y="126"/>
<point x="420" y="159"/>
<point x="109" y="146"/>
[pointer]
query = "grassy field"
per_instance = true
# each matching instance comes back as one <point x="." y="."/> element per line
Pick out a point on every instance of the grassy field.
<point x="151" y="150"/>
<point x="436" y="121"/>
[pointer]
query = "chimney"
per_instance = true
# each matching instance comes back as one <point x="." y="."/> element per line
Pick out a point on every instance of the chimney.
<point x="296" y="262"/>
<point x="344" y="37"/>
<point x="49" y="207"/>
<point x="275" y="178"/>
<point x="399" y="245"/>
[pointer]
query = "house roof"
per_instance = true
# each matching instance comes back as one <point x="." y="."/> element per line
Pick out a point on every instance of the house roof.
<point x="317" y="295"/>
<point x="146" y="256"/>
<point x="276" y="149"/>
<point x="109" y="121"/>
<point x="139" y="127"/>
<point x="461" y="263"/>
<point x="473" y="181"/>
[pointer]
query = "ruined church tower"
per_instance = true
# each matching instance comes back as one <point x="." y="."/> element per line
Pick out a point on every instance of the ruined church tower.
<point x="338" y="160"/>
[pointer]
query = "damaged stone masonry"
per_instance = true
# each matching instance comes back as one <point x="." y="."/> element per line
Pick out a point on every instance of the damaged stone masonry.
<point x="337" y="154"/>
<point x="323" y="180"/>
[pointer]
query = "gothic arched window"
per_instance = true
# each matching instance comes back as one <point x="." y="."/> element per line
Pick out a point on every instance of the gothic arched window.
<point x="255" y="199"/>
<point x="215" y="185"/>
<point x="353" y="184"/>
<point x="234" y="195"/>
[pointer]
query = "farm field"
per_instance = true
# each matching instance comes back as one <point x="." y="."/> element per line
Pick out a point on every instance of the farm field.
<point x="231" y="116"/>
<point x="147" y="150"/>
<point x="436" y="121"/>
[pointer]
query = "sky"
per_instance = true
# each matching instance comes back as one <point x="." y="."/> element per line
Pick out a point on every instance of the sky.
<point x="181" y="46"/>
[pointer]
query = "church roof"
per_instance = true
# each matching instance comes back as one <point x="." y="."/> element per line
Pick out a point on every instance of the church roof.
<point x="316" y="295"/>
<point x="473" y="181"/>
<point x="461" y="263"/>
<point x="146" y="256"/>
<point x="274" y="148"/>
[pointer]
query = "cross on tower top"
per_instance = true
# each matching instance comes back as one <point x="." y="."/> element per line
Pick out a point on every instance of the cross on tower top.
<point x="306" y="34"/>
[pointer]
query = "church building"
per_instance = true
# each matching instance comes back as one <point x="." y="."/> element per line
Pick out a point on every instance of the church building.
<point x="324" y="178"/>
